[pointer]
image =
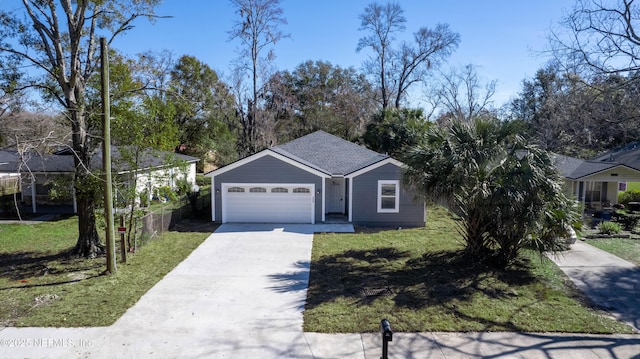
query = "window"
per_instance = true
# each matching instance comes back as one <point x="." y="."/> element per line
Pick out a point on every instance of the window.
<point x="235" y="189"/>
<point x="279" y="190"/>
<point x="257" y="190"/>
<point x="388" y="196"/>
<point x="301" y="190"/>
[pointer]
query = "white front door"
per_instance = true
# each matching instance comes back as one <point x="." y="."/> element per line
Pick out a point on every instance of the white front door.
<point x="335" y="200"/>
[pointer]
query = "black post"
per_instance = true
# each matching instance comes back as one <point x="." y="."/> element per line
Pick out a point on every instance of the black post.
<point x="387" y="336"/>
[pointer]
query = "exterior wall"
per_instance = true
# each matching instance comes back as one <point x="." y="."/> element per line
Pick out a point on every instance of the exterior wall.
<point x="608" y="191"/>
<point x="157" y="178"/>
<point x="267" y="169"/>
<point x="618" y="174"/>
<point x="9" y="183"/>
<point x="43" y="183"/>
<point x="569" y="189"/>
<point x="164" y="177"/>
<point x="612" y="192"/>
<point x="364" y="200"/>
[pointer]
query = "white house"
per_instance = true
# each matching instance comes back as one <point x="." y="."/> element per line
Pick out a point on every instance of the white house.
<point x="38" y="172"/>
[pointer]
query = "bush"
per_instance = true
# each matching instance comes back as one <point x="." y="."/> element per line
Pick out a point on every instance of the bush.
<point x="166" y="193"/>
<point x="609" y="228"/>
<point x="201" y="180"/>
<point x="629" y="196"/>
<point x="627" y="221"/>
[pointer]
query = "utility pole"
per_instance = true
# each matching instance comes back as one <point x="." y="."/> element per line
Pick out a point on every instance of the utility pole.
<point x="106" y="157"/>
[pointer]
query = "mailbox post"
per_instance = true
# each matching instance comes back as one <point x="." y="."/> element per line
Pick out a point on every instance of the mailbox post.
<point x="387" y="336"/>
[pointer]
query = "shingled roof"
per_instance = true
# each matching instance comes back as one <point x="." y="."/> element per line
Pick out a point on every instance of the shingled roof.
<point x="574" y="168"/>
<point x="328" y="153"/>
<point x="628" y="155"/>
<point x="63" y="161"/>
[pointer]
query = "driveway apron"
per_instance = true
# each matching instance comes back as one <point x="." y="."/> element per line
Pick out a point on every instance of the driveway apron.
<point x="238" y="295"/>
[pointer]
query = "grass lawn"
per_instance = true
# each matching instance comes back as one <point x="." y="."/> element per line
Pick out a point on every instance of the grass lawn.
<point x="419" y="281"/>
<point x="625" y="248"/>
<point x="40" y="285"/>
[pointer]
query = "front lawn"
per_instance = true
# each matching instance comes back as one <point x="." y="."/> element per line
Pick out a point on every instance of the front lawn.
<point x="625" y="248"/>
<point x="41" y="285"/>
<point x="419" y="281"/>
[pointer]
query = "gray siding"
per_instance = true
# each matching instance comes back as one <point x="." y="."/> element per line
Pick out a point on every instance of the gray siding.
<point x="365" y="205"/>
<point x="267" y="169"/>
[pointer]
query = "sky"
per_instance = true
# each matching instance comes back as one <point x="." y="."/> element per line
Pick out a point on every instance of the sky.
<point x="505" y="39"/>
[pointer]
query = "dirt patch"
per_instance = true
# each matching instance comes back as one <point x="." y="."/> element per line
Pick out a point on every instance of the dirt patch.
<point x="45" y="300"/>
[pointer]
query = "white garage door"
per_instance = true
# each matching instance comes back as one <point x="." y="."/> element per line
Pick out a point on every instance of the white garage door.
<point x="267" y="203"/>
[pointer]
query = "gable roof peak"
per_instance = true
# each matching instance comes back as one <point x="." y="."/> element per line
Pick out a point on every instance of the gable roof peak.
<point x="329" y="153"/>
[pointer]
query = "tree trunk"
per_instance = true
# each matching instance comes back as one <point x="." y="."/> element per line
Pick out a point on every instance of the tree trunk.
<point x="85" y="185"/>
<point x="88" y="244"/>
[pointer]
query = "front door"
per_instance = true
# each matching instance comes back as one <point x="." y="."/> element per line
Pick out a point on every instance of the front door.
<point x="336" y="191"/>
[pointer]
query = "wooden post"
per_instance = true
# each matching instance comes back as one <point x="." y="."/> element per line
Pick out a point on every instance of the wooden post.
<point x="106" y="157"/>
<point x="123" y="249"/>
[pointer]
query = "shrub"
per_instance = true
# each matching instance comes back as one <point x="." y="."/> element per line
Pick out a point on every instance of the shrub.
<point x="165" y="192"/>
<point x="144" y="198"/>
<point x="609" y="228"/>
<point x="183" y="186"/>
<point x="627" y="221"/>
<point x="629" y="196"/>
<point x="201" y="180"/>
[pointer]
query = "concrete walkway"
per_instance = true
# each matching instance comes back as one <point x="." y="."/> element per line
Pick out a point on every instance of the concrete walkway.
<point x="611" y="283"/>
<point x="241" y="295"/>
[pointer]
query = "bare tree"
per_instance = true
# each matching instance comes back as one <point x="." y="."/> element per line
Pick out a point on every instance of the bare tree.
<point x="461" y="94"/>
<point x="396" y="69"/>
<point x="53" y="46"/>
<point x="603" y="35"/>
<point x="257" y="28"/>
<point x="567" y="114"/>
<point x="383" y="22"/>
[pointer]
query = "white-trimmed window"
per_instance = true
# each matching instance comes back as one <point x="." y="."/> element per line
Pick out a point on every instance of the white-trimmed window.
<point x="389" y="196"/>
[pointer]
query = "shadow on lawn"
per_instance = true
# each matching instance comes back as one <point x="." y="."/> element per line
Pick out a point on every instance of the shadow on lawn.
<point x="435" y="279"/>
<point x="195" y="225"/>
<point x="26" y="266"/>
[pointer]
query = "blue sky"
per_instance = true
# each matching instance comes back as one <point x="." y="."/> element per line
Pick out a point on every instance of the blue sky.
<point x="503" y="38"/>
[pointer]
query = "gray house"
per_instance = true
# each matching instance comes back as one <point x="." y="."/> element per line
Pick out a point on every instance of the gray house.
<point x="315" y="179"/>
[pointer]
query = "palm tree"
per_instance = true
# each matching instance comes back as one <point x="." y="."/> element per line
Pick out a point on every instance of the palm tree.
<point x="501" y="187"/>
<point x="528" y="206"/>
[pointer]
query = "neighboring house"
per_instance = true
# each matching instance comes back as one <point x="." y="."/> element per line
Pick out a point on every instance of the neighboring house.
<point x="39" y="172"/>
<point x="596" y="182"/>
<point x="9" y="178"/>
<point x="314" y="179"/>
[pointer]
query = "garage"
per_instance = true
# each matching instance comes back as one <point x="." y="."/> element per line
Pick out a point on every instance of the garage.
<point x="267" y="203"/>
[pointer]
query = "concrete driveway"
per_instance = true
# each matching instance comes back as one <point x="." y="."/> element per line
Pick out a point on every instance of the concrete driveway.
<point x="239" y="295"/>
